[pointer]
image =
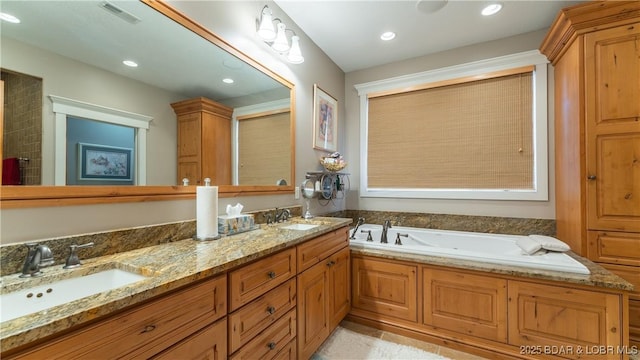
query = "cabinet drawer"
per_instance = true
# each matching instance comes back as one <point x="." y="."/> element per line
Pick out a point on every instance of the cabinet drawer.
<point x="145" y="330"/>
<point x="269" y="343"/>
<point x="634" y="323"/>
<point x="315" y="250"/>
<point x="629" y="273"/>
<point x="288" y="352"/>
<point x="614" y="247"/>
<point x="208" y="343"/>
<point x="253" y="280"/>
<point x="256" y="316"/>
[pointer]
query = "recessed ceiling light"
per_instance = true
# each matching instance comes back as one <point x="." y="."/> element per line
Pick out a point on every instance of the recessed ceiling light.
<point x="388" y="35"/>
<point x="130" y="63"/>
<point x="228" y="81"/>
<point x="491" y="9"/>
<point x="9" y="18"/>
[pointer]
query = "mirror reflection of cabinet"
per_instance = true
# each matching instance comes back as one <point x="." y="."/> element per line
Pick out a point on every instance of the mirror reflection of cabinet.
<point x="204" y="141"/>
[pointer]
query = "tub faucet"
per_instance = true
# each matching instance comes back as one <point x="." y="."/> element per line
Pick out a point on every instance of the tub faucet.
<point x="37" y="256"/>
<point x="385" y="227"/>
<point x="355" y="229"/>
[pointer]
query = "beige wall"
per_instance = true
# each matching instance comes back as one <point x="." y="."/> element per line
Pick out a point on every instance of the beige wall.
<point x="235" y="22"/>
<point x="511" y="45"/>
<point x="78" y="81"/>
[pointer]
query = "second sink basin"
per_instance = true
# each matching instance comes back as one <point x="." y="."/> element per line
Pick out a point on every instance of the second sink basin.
<point x="300" y="226"/>
<point x="45" y="296"/>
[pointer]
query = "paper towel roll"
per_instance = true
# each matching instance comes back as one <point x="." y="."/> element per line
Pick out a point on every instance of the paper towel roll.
<point x="206" y="212"/>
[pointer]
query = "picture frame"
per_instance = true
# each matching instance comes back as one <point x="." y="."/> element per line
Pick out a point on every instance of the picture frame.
<point x="104" y="163"/>
<point x="325" y="120"/>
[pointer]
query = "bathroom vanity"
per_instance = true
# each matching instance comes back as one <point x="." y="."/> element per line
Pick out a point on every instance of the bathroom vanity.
<point x="276" y="292"/>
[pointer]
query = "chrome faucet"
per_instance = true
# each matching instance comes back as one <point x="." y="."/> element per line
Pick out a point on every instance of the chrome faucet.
<point x="355" y="229"/>
<point x="37" y="256"/>
<point x="73" y="261"/>
<point x="385" y="228"/>
<point x="283" y="215"/>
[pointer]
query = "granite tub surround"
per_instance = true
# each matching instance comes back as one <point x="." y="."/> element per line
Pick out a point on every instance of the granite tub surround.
<point x="112" y="242"/>
<point x="167" y="266"/>
<point x="482" y="224"/>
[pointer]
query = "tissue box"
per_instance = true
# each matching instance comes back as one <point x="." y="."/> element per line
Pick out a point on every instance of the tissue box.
<point x="228" y="225"/>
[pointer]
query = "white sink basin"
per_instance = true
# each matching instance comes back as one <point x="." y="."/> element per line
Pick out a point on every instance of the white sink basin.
<point x="46" y="296"/>
<point x="300" y="226"/>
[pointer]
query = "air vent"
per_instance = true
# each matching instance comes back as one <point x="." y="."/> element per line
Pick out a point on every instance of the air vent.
<point x="124" y="15"/>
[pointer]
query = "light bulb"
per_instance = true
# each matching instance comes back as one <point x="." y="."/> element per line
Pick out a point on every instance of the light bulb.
<point x="266" y="30"/>
<point x="295" y="54"/>
<point x="280" y="44"/>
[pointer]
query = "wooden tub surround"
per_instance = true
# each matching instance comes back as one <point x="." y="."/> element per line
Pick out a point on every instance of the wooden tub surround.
<point x="495" y="312"/>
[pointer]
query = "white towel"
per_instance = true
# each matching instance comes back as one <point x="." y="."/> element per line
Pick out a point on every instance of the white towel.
<point x="533" y="244"/>
<point x="551" y="243"/>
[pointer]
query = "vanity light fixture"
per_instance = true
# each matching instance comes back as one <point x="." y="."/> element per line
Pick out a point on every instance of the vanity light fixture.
<point x="276" y="36"/>
<point x="9" y="18"/>
<point x="491" y="9"/>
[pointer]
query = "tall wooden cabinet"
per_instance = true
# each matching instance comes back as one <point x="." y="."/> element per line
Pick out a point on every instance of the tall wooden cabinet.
<point x="204" y="141"/>
<point x="595" y="50"/>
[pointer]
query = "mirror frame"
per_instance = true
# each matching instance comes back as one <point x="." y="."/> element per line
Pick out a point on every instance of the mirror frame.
<point x="44" y="196"/>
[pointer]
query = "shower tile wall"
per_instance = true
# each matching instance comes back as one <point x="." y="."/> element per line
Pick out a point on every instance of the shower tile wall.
<point x="22" y="130"/>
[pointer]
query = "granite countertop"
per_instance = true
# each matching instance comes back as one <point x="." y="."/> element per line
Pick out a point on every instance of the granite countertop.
<point x="167" y="267"/>
<point x="173" y="265"/>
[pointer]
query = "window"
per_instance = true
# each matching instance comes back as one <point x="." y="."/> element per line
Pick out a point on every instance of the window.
<point x="474" y="131"/>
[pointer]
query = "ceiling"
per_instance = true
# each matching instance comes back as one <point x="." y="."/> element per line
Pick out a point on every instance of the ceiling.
<point x="348" y="31"/>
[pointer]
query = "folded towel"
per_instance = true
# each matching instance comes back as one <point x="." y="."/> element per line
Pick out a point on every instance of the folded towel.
<point x="11" y="171"/>
<point x="550" y="243"/>
<point x="533" y="244"/>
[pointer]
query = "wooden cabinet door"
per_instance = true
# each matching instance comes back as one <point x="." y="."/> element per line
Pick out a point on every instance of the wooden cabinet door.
<point x="465" y="303"/>
<point x="339" y="290"/>
<point x="612" y="67"/>
<point x="209" y="343"/>
<point x="313" y="309"/>
<point x="561" y="317"/>
<point x="386" y="288"/>
<point x="189" y="148"/>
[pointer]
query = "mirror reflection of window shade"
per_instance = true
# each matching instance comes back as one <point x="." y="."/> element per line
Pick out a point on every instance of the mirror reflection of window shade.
<point x="264" y="153"/>
<point x="472" y="135"/>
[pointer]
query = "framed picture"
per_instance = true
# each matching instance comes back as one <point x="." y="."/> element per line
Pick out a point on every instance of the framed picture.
<point x="325" y="120"/>
<point x="101" y="162"/>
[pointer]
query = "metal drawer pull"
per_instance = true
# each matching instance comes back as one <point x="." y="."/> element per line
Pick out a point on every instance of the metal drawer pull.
<point x="331" y="263"/>
<point x="148" y="328"/>
<point x="271" y="310"/>
<point x="271" y="274"/>
<point x="591" y="177"/>
<point x="271" y="345"/>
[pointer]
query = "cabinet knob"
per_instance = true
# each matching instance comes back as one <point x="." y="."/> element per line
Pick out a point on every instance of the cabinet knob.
<point x="591" y="177"/>
<point x="331" y="263"/>
<point x="271" y="345"/>
<point x="148" y="328"/>
<point x="271" y="274"/>
<point x="271" y="310"/>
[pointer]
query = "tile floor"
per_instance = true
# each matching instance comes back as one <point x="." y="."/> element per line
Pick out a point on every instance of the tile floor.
<point x="399" y="339"/>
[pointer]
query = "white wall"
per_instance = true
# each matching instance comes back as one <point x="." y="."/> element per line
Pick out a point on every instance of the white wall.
<point x="235" y="22"/>
<point x="511" y="45"/>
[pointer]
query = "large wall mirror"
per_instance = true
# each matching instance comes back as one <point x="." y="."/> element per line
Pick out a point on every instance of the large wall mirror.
<point x="63" y="72"/>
